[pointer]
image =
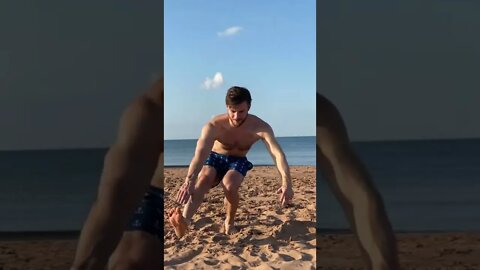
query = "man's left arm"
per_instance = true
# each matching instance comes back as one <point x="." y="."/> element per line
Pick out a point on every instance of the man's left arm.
<point x="280" y="161"/>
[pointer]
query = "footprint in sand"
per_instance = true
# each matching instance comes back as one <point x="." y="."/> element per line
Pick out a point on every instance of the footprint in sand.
<point x="295" y="230"/>
<point x="202" y="221"/>
<point x="220" y="238"/>
<point x="211" y="261"/>
<point x="206" y="224"/>
<point x="292" y="255"/>
<point x="183" y="257"/>
<point x="286" y="257"/>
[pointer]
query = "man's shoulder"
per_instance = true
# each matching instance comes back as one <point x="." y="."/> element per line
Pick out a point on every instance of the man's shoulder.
<point x="260" y="127"/>
<point x="258" y="122"/>
<point x="331" y="130"/>
<point x="142" y="107"/>
<point x="255" y="119"/>
<point x="142" y="116"/>
<point x="145" y="102"/>
<point x="327" y="112"/>
<point x="215" y="123"/>
<point x="218" y="119"/>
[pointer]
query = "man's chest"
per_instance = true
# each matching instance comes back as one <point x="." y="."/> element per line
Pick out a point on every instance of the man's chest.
<point x="235" y="138"/>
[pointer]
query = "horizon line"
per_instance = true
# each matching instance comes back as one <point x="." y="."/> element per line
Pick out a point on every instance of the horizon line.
<point x="353" y="141"/>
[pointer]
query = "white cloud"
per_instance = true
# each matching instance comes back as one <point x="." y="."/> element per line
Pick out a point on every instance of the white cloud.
<point x="230" y="31"/>
<point x="216" y="82"/>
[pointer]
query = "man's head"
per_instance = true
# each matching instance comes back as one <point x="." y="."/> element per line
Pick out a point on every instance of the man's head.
<point x="238" y="101"/>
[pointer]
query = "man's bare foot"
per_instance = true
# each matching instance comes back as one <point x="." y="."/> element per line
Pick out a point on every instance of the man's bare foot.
<point x="230" y="228"/>
<point x="178" y="222"/>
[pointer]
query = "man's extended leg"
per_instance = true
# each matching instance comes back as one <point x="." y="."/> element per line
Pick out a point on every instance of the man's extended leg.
<point x="205" y="181"/>
<point x="231" y="184"/>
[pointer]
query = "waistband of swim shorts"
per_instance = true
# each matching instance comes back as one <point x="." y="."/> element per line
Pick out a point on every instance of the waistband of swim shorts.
<point x="228" y="156"/>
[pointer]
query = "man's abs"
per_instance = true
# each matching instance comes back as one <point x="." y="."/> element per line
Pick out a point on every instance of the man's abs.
<point x="236" y="150"/>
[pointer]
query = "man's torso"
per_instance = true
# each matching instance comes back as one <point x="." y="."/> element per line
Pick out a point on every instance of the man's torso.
<point x="236" y="141"/>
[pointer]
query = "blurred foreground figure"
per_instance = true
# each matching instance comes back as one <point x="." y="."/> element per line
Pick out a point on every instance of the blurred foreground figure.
<point x="120" y="221"/>
<point x="353" y="187"/>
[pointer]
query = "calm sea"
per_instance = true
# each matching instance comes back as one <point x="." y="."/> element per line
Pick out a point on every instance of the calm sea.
<point x="426" y="185"/>
<point x="298" y="150"/>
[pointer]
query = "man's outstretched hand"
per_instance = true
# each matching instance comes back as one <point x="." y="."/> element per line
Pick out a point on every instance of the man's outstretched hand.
<point x="286" y="195"/>
<point x="186" y="190"/>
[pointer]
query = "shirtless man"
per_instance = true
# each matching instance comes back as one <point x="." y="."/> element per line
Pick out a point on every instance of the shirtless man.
<point x="133" y="166"/>
<point x="220" y="158"/>
<point x="353" y="187"/>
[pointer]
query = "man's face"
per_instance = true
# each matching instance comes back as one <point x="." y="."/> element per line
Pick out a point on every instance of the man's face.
<point x="238" y="113"/>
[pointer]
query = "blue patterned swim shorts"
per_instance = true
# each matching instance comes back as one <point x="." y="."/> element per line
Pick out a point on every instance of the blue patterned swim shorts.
<point x="223" y="163"/>
<point x="148" y="216"/>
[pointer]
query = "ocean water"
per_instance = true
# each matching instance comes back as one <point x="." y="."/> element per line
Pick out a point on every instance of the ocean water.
<point x="47" y="189"/>
<point x="298" y="150"/>
<point x="426" y="185"/>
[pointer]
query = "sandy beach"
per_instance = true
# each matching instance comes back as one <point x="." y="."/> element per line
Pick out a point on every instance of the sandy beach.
<point x="270" y="237"/>
<point x="37" y="250"/>
<point x="440" y="250"/>
<point x="421" y="251"/>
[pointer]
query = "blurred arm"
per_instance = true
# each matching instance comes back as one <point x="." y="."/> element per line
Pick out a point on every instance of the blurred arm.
<point x="353" y="187"/>
<point x="128" y="168"/>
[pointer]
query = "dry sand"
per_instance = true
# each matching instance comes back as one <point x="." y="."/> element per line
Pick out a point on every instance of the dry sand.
<point x="419" y="251"/>
<point x="270" y="237"/>
<point x="264" y="239"/>
<point x="416" y="251"/>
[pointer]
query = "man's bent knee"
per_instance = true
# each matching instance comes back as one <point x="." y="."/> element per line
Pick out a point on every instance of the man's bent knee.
<point x="232" y="181"/>
<point x="231" y="190"/>
<point x="231" y="186"/>
<point x="205" y="181"/>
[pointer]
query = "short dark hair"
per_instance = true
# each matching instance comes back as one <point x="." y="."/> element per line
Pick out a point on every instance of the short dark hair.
<point x="237" y="95"/>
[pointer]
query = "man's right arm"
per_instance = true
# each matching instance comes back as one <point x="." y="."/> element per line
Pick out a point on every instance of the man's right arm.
<point x="353" y="186"/>
<point x="204" y="146"/>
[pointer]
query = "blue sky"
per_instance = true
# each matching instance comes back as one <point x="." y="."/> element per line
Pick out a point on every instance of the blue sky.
<point x="268" y="47"/>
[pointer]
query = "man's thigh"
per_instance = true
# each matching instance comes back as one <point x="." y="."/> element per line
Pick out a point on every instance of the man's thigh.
<point x="208" y="174"/>
<point x="232" y="180"/>
<point x="137" y="250"/>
